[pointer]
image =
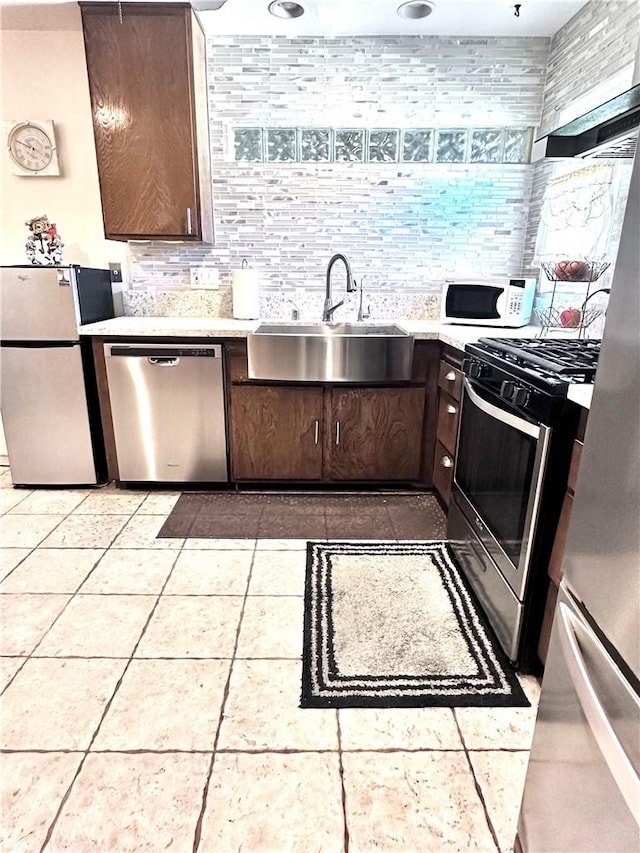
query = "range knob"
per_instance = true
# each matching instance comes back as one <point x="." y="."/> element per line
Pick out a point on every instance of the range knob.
<point x="520" y="397"/>
<point x="477" y="370"/>
<point x="506" y="390"/>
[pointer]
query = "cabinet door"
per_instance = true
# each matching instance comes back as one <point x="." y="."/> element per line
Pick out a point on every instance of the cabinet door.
<point x="375" y="434"/>
<point x="276" y="433"/>
<point x="142" y="105"/>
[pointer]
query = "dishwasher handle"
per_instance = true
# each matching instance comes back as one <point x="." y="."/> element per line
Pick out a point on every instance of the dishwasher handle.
<point x="162" y="353"/>
<point x="164" y="361"/>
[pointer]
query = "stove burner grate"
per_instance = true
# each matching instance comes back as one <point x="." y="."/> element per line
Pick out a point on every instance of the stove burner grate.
<point x="562" y="358"/>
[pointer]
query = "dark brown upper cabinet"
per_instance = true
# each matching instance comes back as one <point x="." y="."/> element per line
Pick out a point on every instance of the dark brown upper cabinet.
<point x="147" y="79"/>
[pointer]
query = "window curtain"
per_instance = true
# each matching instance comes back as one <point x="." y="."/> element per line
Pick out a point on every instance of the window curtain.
<point x="577" y="214"/>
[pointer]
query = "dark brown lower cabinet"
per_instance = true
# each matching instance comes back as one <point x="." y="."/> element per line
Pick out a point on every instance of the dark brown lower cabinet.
<point x="375" y="434"/>
<point x="554" y="569"/>
<point x="315" y="433"/>
<point x="276" y="433"/>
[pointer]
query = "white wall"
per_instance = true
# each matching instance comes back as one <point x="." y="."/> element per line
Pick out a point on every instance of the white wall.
<point x="44" y="76"/>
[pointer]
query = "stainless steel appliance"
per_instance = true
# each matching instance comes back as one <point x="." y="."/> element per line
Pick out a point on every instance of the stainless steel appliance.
<point x="48" y="393"/>
<point x="514" y="446"/>
<point x="167" y="404"/>
<point x="582" y="790"/>
<point x="487" y="301"/>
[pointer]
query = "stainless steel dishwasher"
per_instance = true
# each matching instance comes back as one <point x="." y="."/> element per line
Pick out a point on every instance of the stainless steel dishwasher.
<point x="167" y="404"/>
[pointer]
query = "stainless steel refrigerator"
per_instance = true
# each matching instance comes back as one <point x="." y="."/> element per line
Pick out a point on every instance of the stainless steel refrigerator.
<point x="48" y="391"/>
<point x="582" y="790"/>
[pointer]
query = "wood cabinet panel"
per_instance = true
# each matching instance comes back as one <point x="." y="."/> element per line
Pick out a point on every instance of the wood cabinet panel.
<point x="547" y="622"/>
<point x="559" y="543"/>
<point x="448" y="416"/>
<point x="276" y="433"/>
<point x="554" y="569"/>
<point x="450" y="380"/>
<point x="144" y="118"/>
<point x="576" y="456"/>
<point x="375" y="434"/>
<point x="443" y="472"/>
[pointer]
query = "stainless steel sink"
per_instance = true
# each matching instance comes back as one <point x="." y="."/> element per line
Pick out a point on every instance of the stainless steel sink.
<point x="330" y="352"/>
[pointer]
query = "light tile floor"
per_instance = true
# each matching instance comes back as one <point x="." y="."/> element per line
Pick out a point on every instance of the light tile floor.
<point x="150" y="696"/>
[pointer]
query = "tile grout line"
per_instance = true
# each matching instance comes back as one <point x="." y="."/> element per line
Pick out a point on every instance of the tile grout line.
<point x="72" y="595"/>
<point x="343" y="791"/>
<point x="490" y="825"/>
<point x="269" y="751"/>
<point x="105" y="711"/>
<point x="197" y="835"/>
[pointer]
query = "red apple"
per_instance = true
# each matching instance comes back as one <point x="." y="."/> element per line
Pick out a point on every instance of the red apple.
<point x="570" y="318"/>
<point x="572" y="271"/>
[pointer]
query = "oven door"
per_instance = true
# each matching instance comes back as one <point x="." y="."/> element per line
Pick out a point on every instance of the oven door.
<point x="498" y="480"/>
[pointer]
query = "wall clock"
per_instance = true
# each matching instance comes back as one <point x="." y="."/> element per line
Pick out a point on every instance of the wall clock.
<point x="32" y="148"/>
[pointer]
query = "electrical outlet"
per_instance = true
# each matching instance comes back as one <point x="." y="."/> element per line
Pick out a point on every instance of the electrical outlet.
<point x="205" y="278"/>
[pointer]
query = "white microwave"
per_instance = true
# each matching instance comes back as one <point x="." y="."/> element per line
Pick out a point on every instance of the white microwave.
<point x="488" y="301"/>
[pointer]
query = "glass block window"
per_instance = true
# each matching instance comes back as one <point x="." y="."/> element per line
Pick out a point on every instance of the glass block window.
<point x="517" y="145"/>
<point x="281" y="145"/>
<point x="315" y="145"/>
<point x="416" y="146"/>
<point x="486" y="146"/>
<point x="450" y="146"/>
<point x="247" y="143"/>
<point x="375" y="145"/>
<point x="383" y="146"/>
<point x="349" y="146"/>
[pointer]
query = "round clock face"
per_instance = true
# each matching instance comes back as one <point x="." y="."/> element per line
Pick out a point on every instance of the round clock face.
<point x="30" y="147"/>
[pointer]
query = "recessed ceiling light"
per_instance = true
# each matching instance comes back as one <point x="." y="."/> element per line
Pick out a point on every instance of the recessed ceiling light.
<point x="286" y="9"/>
<point x="416" y="9"/>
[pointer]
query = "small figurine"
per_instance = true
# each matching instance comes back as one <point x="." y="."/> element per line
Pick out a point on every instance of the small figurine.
<point x="44" y="246"/>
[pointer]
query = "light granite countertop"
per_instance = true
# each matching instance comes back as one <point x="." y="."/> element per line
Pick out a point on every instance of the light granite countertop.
<point x="221" y="327"/>
<point x="581" y="394"/>
<point x="217" y="327"/>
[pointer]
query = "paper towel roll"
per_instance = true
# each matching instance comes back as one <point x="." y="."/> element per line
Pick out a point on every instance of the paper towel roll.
<point x="245" y="287"/>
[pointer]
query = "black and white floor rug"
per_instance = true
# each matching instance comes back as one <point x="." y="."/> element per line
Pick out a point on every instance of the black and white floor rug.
<point x="394" y="625"/>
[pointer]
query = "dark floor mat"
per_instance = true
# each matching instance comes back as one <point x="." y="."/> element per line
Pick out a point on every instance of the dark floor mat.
<point x="288" y="515"/>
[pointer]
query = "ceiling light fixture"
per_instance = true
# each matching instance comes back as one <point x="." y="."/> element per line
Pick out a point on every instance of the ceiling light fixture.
<point x="416" y="9"/>
<point x="286" y="9"/>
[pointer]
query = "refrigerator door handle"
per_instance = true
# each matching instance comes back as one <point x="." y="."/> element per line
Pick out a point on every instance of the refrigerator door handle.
<point x="616" y="758"/>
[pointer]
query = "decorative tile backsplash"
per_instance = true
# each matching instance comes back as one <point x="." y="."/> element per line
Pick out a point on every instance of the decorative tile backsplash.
<point x="589" y="51"/>
<point x="592" y="48"/>
<point x="353" y="127"/>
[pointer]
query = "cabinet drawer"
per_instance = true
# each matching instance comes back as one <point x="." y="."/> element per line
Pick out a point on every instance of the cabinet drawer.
<point x="448" y="415"/>
<point x="450" y="380"/>
<point x="443" y="471"/>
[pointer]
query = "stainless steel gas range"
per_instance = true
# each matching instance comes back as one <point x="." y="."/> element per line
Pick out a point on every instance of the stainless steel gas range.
<point x="514" y="447"/>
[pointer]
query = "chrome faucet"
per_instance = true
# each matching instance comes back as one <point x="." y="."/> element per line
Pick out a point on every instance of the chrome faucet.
<point x="328" y="310"/>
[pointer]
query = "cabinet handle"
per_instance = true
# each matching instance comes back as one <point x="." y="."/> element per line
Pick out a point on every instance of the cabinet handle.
<point x="317" y="435"/>
<point x="337" y="432"/>
<point x="446" y="462"/>
<point x="451" y="409"/>
<point x="189" y="222"/>
<point x="451" y="375"/>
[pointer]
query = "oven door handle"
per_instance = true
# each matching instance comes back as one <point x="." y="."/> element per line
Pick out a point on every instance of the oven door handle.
<point x="499" y="414"/>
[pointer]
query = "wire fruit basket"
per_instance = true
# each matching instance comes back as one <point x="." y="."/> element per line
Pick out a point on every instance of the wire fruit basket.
<point x="578" y="271"/>
<point x="572" y="272"/>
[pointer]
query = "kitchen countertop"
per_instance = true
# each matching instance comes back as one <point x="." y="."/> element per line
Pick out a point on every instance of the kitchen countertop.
<point x="217" y="327"/>
<point x="221" y="327"/>
<point x="581" y="394"/>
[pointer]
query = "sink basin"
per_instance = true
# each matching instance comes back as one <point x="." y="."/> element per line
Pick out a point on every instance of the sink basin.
<point x="332" y="329"/>
<point x="330" y="352"/>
